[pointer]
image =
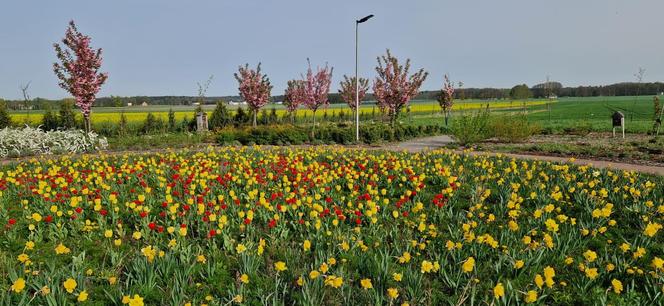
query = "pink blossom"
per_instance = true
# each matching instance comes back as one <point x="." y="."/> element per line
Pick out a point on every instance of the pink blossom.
<point x="79" y="72"/>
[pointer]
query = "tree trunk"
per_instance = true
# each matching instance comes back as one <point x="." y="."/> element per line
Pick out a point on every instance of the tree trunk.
<point x="313" y="127"/>
<point x="447" y="116"/>
<point x="86" y="124"/>
<point x="255" y="115"/>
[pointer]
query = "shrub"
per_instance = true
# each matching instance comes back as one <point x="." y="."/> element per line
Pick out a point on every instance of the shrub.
<point x="32" y="141"/>
<point x="5" y="120"/>
<point x="330" y="134"/>
<point x="49" y="120"/>
<point x="67" y="116"/>
<point x="471" y="128"/>
<point x="220" y="117"/>
<point x="513" y="128"/>
<point x="152" y="124"/>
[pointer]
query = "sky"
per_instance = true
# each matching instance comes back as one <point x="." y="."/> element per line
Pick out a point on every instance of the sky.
<point x="165" y="47"/>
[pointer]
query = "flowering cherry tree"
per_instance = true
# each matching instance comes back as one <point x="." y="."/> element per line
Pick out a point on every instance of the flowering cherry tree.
<point x="293" y="96"/>
<point x="393" y="87"/>
<point x="254" y="88"/>
<point x="78" y="70"/>
<point x="446" y="98"/>
<point x="315" y="87"/>
<point x="347" y="90"/>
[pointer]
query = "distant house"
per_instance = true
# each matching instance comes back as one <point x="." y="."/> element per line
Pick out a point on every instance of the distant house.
<point x="144" y="104"/>
<point x="196" y="103"/>
<point x="130" y="104"/>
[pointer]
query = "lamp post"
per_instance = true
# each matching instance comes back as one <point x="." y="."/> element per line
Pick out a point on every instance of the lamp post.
<point x="357" y="82"/>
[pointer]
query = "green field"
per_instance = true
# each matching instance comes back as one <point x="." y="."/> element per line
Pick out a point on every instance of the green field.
<point x="565" y="113"/>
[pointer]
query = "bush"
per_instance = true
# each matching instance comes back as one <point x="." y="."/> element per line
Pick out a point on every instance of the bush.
<point x="579" y="128"/>
<point x="67" y="116"/>
<point x="327" y="134"/>
<point x="471" y="128"/>
<point x="220" y="117"/>
<point x="31" y="141"/>
<point x="513" y="128"/>
<point x="49" y="120"/>
<point x="5" y="120"/>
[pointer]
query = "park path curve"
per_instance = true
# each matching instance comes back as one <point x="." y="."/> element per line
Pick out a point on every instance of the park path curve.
<point x="435" y="142"/>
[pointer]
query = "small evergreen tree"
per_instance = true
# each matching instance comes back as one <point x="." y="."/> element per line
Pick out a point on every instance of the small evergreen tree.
<point x="67" y="117"/>
<point x="150" y="124"/>
<point x="5" y="120"/>
<point x="241" y="117"/>
<point x="274" y="118"/>
<point x="171" y="120"/>
<point x="122" y="125"/>
<point x="49" y="120"/>
<point x="220" y="117"/>
<point x="264" y="119"/>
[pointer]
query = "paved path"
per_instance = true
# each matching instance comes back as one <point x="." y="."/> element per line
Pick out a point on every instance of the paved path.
<point x="432" y="143"/>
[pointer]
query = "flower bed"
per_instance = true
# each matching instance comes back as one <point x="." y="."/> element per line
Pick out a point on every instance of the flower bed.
<point x="327" y="226"/>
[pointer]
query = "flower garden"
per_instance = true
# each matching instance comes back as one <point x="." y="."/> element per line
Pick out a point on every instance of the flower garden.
<point x="327" y="226"/>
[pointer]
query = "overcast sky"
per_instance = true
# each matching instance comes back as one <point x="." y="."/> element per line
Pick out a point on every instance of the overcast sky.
<point x="164" y="47"/>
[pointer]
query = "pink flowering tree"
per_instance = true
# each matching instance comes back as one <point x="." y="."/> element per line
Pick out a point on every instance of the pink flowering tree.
<point x="393" y="87"/>
<point x="293" y="97"/>
<point x="347" y="90"/>
<point x="254" y="88"/>
<point x="78" y="70"/>
<point x="315" y="88"/>
<point x="446" y="98"/>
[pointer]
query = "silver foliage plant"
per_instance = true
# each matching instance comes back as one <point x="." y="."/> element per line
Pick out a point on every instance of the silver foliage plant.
<point x="35" y="141"/>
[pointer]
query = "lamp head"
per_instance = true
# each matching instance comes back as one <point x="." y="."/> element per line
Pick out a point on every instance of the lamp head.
<point x="364" y="19"/>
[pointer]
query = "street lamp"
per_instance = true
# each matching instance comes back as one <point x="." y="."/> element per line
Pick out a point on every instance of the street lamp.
<point x="357" y="82"/>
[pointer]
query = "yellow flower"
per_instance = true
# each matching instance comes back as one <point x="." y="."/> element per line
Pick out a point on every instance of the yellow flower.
<point x="652" y="229"/>
<point x="117" y="242"/>
<point x="29" y="245"/>
<point x="531" y="296"/>
<point x="280" y="266"/>
<point x="83" y="296"/>
<point x="244" y="278"/>
<point x="617" y="286"/>
<point x="240" y="248"/>
<point x="518" y="264"/>
<point x="237" y="298"/>
<point x="108" y="233"/>
<point x="658" y="263"/>
<point x="37" y="217"/>
<point x="136" y="235"/>
<point x="323" y="267"/>
<point x="590" y="255"/>
<point x="393" y="293"/>
<point x="397" y="276"/>
<point x="334" y="281"/>
<point x="183" y="231"/>
<point x="498" y="291"/>
<point x="62" y="249"/>
<point x="70" y="285"/>
<point x="201" y="259"/>
<point x="45" y="290"/>
<point x="539" y="281"/>
<point x="427" y="266"/>
<point x="366" y="283"/>
<point x="591" y="273"/>
<point x="18" y="285"/>
<point x="469" y="265"/>
<point x="112" y="280"/>
<point x="314" y="274"/>
<point x="306" y="245"/>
